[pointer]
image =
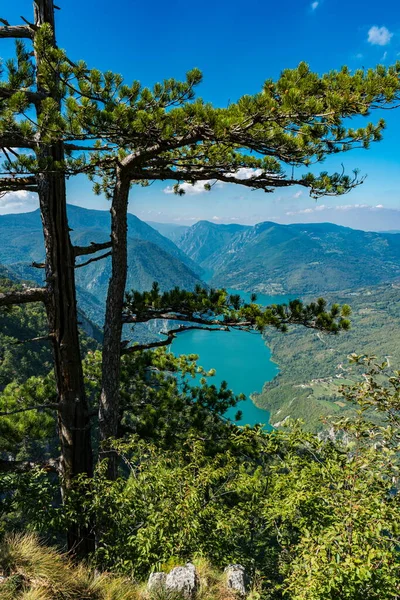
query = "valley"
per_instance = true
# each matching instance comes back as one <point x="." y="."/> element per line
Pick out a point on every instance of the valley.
<point x="292" y="375"/>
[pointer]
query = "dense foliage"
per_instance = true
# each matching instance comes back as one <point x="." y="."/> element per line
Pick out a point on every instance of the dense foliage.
<point x="310" y="519"/>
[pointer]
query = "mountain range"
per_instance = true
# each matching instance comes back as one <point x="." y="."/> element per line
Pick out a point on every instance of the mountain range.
<point x="269" y="258"/>
<point x="299" y="258"/>
<point x="151" y="256"/>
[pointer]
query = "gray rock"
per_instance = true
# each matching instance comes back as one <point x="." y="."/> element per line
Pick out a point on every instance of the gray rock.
<point x="236" y="579"/>
<point x="183" y="580"/>
<point x="156" y="581"/>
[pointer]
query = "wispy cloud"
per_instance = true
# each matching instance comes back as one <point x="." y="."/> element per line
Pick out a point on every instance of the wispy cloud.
<point x="340" y="207"/>
<point x="379" y="36"/>
<point x="314" y="5"/>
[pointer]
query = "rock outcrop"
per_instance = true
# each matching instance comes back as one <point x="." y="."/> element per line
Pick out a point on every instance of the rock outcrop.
<point x="236" y="579"/>
<point x="183" y="580"/>
<point x="156" y="581"/>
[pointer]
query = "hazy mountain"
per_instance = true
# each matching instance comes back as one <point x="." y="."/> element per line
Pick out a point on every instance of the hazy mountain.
<point x="170" y="230"/>
<point x="22" y="237"/>
<point x="297" y="258"/>
<point x="151" y="256"/>
<point x="147" y="262"/>
<point x="367" y="218"/>
<point x="204" y="241"/>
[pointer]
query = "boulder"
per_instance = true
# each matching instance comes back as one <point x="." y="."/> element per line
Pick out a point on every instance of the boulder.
<point x="236" y="579"/>
<point x="183" y="580"/>
<point x="156" y="581"/>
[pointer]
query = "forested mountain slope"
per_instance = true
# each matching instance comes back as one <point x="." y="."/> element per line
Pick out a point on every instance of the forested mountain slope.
<point x="204" y="242"/>
<point x="314" y="366"/>
<point x="151" y="256"/>
<point x="298" y="258"/>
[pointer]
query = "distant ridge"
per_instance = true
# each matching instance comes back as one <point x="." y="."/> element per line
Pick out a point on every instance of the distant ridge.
<point x="300" y="258"/>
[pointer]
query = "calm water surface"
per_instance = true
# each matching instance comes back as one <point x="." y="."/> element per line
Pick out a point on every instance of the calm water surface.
<point x="240" y="358"/>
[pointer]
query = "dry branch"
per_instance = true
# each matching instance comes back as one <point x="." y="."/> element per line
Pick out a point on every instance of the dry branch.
<point x="15" y="184"/>
<point x="17" y="31"/>
<point x="84" y="250"/>
<point x="92" y="260"/>
<point x="24" y="466"/>
<point x="24" y="296"/>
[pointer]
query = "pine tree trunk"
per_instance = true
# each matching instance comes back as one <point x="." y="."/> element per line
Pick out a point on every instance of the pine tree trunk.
<point x="73" y="413"/>
<point x="109" y="400"/>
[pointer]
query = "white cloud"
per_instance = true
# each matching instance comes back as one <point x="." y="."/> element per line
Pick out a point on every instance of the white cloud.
<point x="243" y="173"/>
<point x="188" y="188"/>
<point x="16" y="202"/>
<point x="384" y="56"/>
<point x="314" y="5"/>
<point x="298" y="194"/>
<point x="379" y="36"/>
<point x="246" y="173"/>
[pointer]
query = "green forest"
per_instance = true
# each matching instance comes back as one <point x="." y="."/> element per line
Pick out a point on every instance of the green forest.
<point x="119" y="478"/>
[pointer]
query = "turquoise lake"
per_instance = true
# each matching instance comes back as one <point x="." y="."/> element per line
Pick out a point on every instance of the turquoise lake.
<point x="239" y="357"/>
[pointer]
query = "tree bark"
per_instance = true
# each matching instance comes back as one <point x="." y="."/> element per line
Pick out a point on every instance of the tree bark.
<point x="111" y="362"/>
<point x="73" y="413"/>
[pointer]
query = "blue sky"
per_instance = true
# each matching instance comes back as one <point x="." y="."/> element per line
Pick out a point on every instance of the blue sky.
<point x="237" y="46"/>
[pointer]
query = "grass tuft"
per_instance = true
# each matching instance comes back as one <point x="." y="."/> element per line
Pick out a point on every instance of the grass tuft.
<point x="36" y="572"/>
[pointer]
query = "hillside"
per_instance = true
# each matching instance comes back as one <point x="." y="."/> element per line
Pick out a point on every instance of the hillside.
<point x="21" y="233"/>
<point x="151" y="256"/>
<point x="147" y="262"/>
<point x="300" y="258"/>
<point x="313" y="366"/>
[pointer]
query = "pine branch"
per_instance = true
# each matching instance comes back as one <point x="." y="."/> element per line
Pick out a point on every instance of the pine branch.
<point x="151" y="315"/>
<point x="32" y="97"/>
<point x="52" y="406"/>
<point x="171" y="335"/>
<point x="14" y="139"/>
